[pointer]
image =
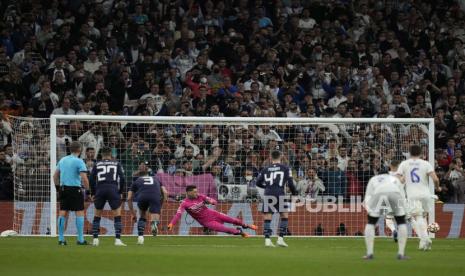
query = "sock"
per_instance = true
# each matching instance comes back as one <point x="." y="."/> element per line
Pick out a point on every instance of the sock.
<point x="402" y="238"/>
<point x="118" y="226"/>
<point x="141" y="226"/>
<point x="414" y="224"/>
<point x="369" y="238"/>
<point x="156" y="222"/>
<point x="96" y="227"/>
<point x="283" y="227"/>
<point x="390" y="224"/>
<point x="61" y="228"/>
<point x="422" y="228"/>
<point x="80" y="228"/>
<point x="267" y="229"/>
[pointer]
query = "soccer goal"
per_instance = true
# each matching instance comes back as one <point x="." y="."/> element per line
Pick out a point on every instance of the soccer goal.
<point x="332" y="160"/>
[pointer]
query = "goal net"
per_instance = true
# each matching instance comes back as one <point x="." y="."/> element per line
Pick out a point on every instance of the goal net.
<point x="331" y="161"/>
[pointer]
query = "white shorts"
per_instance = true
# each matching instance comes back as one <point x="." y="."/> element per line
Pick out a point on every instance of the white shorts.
<point x="419" y="206"/>
<point x="383" y="203"/>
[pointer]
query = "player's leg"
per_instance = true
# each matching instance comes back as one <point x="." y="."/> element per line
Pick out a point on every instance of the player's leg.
<point x="96" y="225"/>
<point x="267" y="229"/>
<point x="143" y="207"/>
<point x="402" y="236"/>
<point x="398" y="209"/>
<point x="155" y="209"/>
<point x="114" y="200"/>
<point x="99" y="203"/>
<point x="370" y="235"/>
<point x="219" y="227"/>
<point x="270" y="204"/>
<point x="78" y="207"/>
<point x="62" y="215"/>
<point x="389" y="221"/>
<point x="422" y="223"/>
<point x="283" y="226"/>
<point x="223" y="218"/>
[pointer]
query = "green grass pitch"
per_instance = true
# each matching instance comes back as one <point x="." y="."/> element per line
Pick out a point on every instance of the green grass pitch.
<point x="226" y="256"/>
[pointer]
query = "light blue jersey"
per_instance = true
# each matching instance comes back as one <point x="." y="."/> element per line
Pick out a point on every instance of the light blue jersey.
<point x="70" y="168"/>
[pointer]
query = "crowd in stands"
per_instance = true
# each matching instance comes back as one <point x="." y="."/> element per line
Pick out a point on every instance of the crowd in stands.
<point x="227" y="58"/>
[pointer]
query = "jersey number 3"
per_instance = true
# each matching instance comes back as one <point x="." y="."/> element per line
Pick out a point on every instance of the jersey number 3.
<point x="414" y="176"/>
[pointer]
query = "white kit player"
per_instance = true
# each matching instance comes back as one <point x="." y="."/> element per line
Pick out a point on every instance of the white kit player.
<point x="415" y="173"/>
<point x="385" y="194"/>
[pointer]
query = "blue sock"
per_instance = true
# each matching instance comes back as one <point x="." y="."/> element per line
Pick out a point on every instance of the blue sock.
<point x="96" y="227"/>
<point x="283" y="227"/>
<point x="118" y="226"/>
<point x="267" y="228"/>
<point x="141" y="226"/>
<point x="61" y="228"/>
<point x="80" y="228"/>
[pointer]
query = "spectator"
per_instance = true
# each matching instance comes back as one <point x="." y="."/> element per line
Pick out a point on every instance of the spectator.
<point x="6" y="182"/>
<point x="65" y="108"/>
<point x="335" y="180"/>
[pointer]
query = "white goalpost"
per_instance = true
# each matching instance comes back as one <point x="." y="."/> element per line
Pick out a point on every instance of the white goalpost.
<point x="331" y="159"/>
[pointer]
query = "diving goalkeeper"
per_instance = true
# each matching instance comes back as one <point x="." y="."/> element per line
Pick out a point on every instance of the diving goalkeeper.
<point x="195" y="205"/>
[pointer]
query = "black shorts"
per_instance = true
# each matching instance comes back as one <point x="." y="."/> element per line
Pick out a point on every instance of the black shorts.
<point x="276" y="204"/>
<point x="151" y="203"/>
<point x="110" y="194"/>
<point x="71" y="198"/>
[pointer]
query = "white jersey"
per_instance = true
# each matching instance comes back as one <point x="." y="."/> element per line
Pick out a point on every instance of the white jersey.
<point x="382" y="189"/>
<point x="416" y="173"/>
<point x="384" y="183"/>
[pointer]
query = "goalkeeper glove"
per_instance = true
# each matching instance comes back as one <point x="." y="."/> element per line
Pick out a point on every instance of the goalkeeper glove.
<point x="170" y="227"/>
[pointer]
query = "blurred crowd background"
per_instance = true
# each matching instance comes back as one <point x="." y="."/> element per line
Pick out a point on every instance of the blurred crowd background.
<point x="247" y="58"/>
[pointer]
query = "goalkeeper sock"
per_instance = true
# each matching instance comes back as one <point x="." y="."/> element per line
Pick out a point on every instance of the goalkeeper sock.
<point x="80" y="228"/>
<point x="267" y="228"/>
<point x="402" y="238"/>
<point x="141" y="226"/>
<point x="118" y="226"/>
<point x="370" y="238"/>
<point x="96" y="227"/>
<point x="283" y="227"/>
<point x="61" y="228"/>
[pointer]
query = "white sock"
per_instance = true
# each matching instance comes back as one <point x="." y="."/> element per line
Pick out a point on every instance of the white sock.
<point x="414" y="224"/>
<point x="390" y="224"/>
<point x="402" y="238"/>
<point x="422" y="228"/>
<point x="369" y="238"/>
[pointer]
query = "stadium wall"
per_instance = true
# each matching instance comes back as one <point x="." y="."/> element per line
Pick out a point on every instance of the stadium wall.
<point x="449" y="216"/>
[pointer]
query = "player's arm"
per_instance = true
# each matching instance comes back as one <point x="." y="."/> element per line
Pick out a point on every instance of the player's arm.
<point x="84" y="180"/>
<point x="400" y="173"/>
<point x="208" y="200"/>
<point x="258" y="181"/>
<point x="176" y="217"/>
<point x="122" y="180"/>
<point x="130" y="204"/>
<point x="56" y="178"/>
<point x="290" y="183"/>
<point x="92" y="180"/>
<point x="83" y="173"/>
<point x="368" y="193"/>
<point x="435" y="179"/>
<point x="164" y="191"/>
